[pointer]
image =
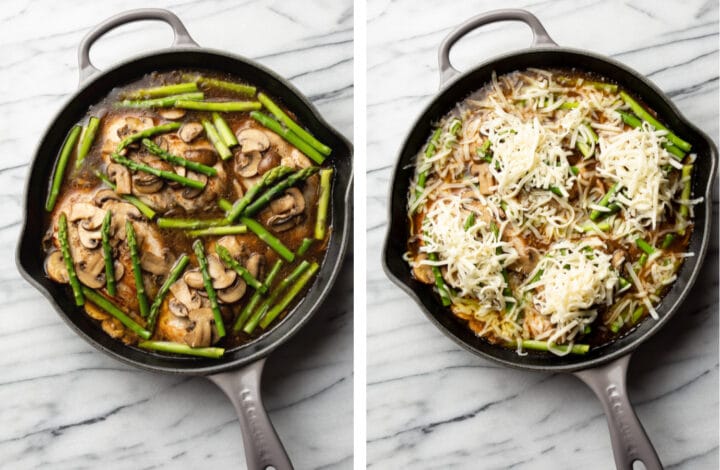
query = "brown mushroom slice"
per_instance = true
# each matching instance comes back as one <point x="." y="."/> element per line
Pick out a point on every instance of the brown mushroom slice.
<point x="192" y="193"/>
<point x="422" y="272"/>
<point x="121" y="176"/>
<point x="286" y="210"/>
<point x="178" y="308"/>
<point x="145" y="183"/>
<point x="90" y="216"/>
<point x="184" y="295"/>
<point x="234" y="292"/>
<point x="221" y="277"/>
<point x="231" y="244"/>
<point x="194" y="279"/>
<point x="270" y="160"/>
<point x="155" y="264"/>
<point x="90" y="269"/>
<point x="55" y="267"/>
<point x="246" y="164"/>
<point x="253" y="140"/>
<point x="119" y="270"/>
<point x="190" y="131"/>
<point x="201" y="155"/>
<point x="172" y="114"/>
<point x="90" y="239"/>
<point x="254" y="264"/>
<point x="201" y="332"/>
<point x="104" y="195"/>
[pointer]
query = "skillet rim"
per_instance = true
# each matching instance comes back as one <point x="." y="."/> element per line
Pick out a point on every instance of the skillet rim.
<point x="667" y="311"/>
<point x="301" y="313"/>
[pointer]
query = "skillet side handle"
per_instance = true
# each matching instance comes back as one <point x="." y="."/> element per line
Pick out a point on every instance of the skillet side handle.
<point x="629" y="441"/>
<point x="263" y="449"/>
<point x="182" y="37"/>
<point x="540" y="35"/>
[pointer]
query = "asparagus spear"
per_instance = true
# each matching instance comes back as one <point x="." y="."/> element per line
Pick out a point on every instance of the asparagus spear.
<point x="215" y="231"/>
<point x="250" y="307"/>
<point x="162" y="91"/>
<point x="62" y="162"/>
<point x="442" y="288"/>
<point x="637" y="314"/>
<point x="67" y="257"/>
<point x="292" y="125"/>
<point x="276" y="190"/>
<point x="569" y="105"/>
<point x="429" y="152"/>
<point x="215" y="83"/>
<point x="87" y="139"/>
<point x="667" y="240"/>
<point x="224" y="204"/>
<point x="137" y="270"/>
<point x="189" y="224"/>
<point x="175" y="160"/>
<point x="98" y="299"/>
<point x="603" y="226"/>
<point x="305" y="246"/>
<point x="645" y="246"/>
<point x="634" y="122"/>
<point x="288" y="135"/>
<point x="646" y="116"/>
<point x="595" y="214"/>
<point x="269" y="238"/>
<point x="686" y="190"/>
<point x="226" y="134"/>
<point x="289" y="297"/>
<point x="166" y="102"/>
<point x="238" y="268"/>
<point x="212" y="295"/>
<point x="168" y="175"/>
<point x="162" y="128"/>
<point x="215" y="139"/>
<point x="175" y="273"/>
<point x="483" y="152"/>
<point x="265" y="306"/>
<point x="142" y="207"/>
<point x="179" y="348"/>
<point x="469" y="222"/>
<point x="543" y="346"/>
<point x="222" y="106"/>
<point x="107" y="254"/>
<point x="323" y="203"/>
<point x="268" y="179"/>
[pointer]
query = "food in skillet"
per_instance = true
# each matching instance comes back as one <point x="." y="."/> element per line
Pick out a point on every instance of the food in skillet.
<point x="184" y="218"/>
<point x="551" y="211"/>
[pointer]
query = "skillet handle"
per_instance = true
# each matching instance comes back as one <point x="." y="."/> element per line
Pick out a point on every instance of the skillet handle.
<point x="263" y="449"/>
<point x="182" y="37"/>
<point x="629" y="441"/>
<point x="540" y="36"/>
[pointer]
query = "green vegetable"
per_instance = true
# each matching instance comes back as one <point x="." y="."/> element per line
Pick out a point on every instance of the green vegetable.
<point x="215" y="231"/>
<point x="569" y="105"/>
<point x="162" y="91"/>
<point x="215" y="83"/>
<point x="224" y="204"/>
<point x="442" y="288"/>
<point x="469" y="222"/>
<point x="238" y="268"/>
<point x="190" y="224"/>
<point x="209" y="289"/>
<point x="305" y="246"/>
<point x="269" y="238"/>
<point x="637" y="314"/>
<point x="667" y="240"/>
<point x="634" y="122"/>
<point x="645" y="246"/>
<point x="323" y="203"/>
<point x="107" y="254"/>
<point x="557" y="191"/>
<point x="179" y="348"/>
<point x="281" y="287"/>
<point x="175" y="273"/>
<point x="226" y="134"/>
<point x="293" y="126"/>
<point x="288" y="135"/>
<point x="289" y="297"/>
<point x="142" y="207"/>
<point x="250" y="307"/>
<point x="87" y="139"/>
<point x="166" y="102"/>
<point x="646" y="116"/>
<point x="596" y="214"/>
<point x="484" y="153"/>
<point x="137" y="270"/>
<point x="537" y="276"/>
<point x="279" y="188"/>
<point x="429" y="152"/>
<point x="222" y="106"/>
<point x="62" y="162"/>
<point x="67" y="257"/>
<point x="268" y="179"/>
<point x="686" y="191"/>
<point x="103" y="303"/>
<point x="543" y="346"/>
<point x="175" y="160"/>
<point x="161" y="129"/>
<point x="603" y="226"/>
<point x="164" y="174"/>
<point x="215" y="139"/>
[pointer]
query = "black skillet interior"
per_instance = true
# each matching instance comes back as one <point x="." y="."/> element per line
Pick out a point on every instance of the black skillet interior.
<point x="30" y="256"/>
<point x="395" y="244"/>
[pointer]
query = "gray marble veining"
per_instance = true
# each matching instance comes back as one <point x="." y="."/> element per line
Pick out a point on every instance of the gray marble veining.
<point x="432" y="405"/>
<point x="65" y="405"/>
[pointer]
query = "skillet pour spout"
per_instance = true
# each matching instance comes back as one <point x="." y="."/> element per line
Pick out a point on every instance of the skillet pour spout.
<point x="604" y="368"/>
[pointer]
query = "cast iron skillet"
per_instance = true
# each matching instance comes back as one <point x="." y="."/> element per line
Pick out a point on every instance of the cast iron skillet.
<point x="238" y="373"/>
<point x="604" y="368"/>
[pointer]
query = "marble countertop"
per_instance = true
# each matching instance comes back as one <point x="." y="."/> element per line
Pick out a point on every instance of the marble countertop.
<point x="65" y="405"/>
<point x="431" y="404"/>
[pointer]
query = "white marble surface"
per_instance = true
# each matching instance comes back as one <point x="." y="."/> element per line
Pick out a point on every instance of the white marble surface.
<point x="65" y="405"/>
<point x="433" y="405"/>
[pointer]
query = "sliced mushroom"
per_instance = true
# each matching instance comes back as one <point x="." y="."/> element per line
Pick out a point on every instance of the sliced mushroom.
<point x="286" y="210"/>
<point x="246" y="164"/>
<point x="221" y="277"/>
<point x="55" y="267"/>
<point x="133" y="124"/>
<point x="201" y="155"/>
<point x="234" y="292"/>
<point x="155" y="264"/>
<point x="145" y="183"/>
<point x="90" y="269"/>
<point x="104" y="195"/>
<point x="121" y="176"/>
<point x="252" y="140"/>
<point x="422" y="272"/>
<point x="119" y="270"/>
<point x="172" y="113"/>
<point x="90" y="215"/>
<point x="194" y="279"/>
<point x="90" y="239"/>
<point x="192" y="193"/>
<point x="182" y="293"/>
<point x="270" y="160"/>
<point x="189" y="131"/>
<point x="231" y="243"/>
<point x="177" y="308"/>
<point x="201" y="333"/>
<point x="254" y="264"/>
